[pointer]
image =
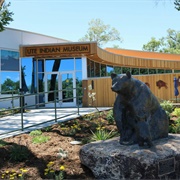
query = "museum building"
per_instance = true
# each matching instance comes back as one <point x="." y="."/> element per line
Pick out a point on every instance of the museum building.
<point x="49" y="70"/>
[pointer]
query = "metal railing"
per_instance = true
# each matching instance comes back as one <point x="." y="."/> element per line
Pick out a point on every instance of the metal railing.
<point x="23" y="108"/>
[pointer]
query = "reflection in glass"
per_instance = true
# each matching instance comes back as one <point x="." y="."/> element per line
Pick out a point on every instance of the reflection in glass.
<point x="40" y="65"/>
<point x="110" y="69"/>
<point x="34" y="77"/>
<point x="79" y="92"/>
<point x="125" y="69"/>
<point x="27" y="73"/>
<point x="117" y="70"/>
<point x="160" y="71"/>
<point x="170" y="71"/>
<point x="103" y="70"/>
<point x="144" y="71"/>
<point x="67" y="65"/>
<point x="91" y="68"/>
<point x="152" y="71"/>
<point x="67" y="88"/>
<point x="78" y="64"/>
<point x="88" y="68"/>
<point x="97" y="69"/>
<point x="52" y="81"/>
<point x="49" y="65"/>
<point x="10" y="81"/>
<point x="135" y="71"/>
<point x="9" y="60"/>
<point x="41" y="85"/>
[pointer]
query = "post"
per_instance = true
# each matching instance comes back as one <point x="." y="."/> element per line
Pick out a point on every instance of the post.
<point x="55" y="106"/>
<point x="78" y="102"/>
<point x="22" y="110"/>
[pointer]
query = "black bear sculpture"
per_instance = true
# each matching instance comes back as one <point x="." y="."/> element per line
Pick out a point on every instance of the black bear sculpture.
<point x="137" y="112"/>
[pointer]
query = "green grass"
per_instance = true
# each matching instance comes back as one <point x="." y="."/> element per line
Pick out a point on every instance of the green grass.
<point x="36" y="133"/>
<point x="40" y="139"/>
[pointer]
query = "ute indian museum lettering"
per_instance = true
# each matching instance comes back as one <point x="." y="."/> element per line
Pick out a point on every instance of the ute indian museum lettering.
<point x="32" y="51"/>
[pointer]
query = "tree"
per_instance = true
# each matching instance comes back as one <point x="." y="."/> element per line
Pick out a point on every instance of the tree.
<point x="168" y="44"/>
<point x="5" y="15"/>
<point x="9" y="85"/>
<point x="177" y="4"/>
<point x="101" y="33"/>
<point x="153" y="45"/>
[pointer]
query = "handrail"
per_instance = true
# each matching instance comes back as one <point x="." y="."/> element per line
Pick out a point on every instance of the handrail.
<point x="22" y="107"/>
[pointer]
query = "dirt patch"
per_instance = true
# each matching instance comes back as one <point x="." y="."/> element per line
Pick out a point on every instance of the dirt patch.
<point x="20" y="152"/>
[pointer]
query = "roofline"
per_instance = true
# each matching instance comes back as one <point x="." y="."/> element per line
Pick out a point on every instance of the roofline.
<point x="150" y="52"/>
<point x="36" y="33"/>
<point x="143" y="52"/>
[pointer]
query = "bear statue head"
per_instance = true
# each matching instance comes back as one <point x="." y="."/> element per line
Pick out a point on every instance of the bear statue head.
<point x="122" y="83"/>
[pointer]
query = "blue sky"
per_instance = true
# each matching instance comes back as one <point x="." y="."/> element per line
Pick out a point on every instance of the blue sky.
<point x="136" y="20"/>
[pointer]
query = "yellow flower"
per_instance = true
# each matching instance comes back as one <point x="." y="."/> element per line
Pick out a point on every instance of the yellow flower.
<point x="20" y="175"/>
<point x="7" y="172"/>
<point x="45" y="173"/>
<point x="51" y="171"/>
<point x="51" y="162"/>
<point x="62" y="168"/>
<point x="46" y="170"/>
<point x="24" y="170"/>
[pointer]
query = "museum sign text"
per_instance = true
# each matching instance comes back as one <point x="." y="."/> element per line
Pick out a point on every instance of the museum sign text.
<point x="56" y="50"/>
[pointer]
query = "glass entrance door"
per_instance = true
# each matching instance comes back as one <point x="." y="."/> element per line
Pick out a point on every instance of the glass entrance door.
<point x="52" y="85"/>
<point x="60" y="87"/>
<point x="68" y="93"/>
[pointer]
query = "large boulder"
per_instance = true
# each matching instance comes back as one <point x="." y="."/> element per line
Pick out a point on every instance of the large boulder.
<point x="111" y="160"/>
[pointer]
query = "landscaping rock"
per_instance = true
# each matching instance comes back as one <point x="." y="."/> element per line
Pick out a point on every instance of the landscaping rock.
<point x="111" y="160"/>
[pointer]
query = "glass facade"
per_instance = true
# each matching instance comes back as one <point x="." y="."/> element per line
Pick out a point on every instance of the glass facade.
<point x="95" y="69"/>
<point x="44" y="75"/>
<point x="10" y="71"/>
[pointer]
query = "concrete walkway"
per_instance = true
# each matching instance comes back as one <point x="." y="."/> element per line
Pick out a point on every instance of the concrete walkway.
<point x="39" y="118"/>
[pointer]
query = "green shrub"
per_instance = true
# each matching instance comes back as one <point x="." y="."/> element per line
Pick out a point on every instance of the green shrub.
<point x="176" y="112"/>
<point x="36" y="133"/>
<point x="19" y="153"/>
<point x="40" y="139"/>
<point x="175" y="127"/>
<point x="167" y="106"/>
<point x="3" y="143"/>
<point x="110" y="117"/>
<point x="103" y="134"/>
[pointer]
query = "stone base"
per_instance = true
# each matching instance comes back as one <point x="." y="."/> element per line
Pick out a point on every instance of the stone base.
<point x="110" y="160"/>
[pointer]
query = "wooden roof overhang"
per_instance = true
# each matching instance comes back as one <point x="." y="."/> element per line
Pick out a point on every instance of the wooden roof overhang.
<point x="109" y="56"/>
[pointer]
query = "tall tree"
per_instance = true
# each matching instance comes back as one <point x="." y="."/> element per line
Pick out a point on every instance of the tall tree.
<point x="101" y="33"/>
<point x="177" y="4"/>
<point x="168" y="44"/>
<point x="5" y="15"/>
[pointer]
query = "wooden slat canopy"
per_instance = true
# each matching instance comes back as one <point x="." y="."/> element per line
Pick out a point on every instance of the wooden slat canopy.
<point x="109" y="56"/>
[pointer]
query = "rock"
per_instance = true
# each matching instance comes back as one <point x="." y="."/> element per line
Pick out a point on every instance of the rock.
<point x="111" y="160"/>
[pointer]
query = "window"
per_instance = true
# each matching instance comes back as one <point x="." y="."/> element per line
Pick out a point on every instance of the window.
<point x="103" y="70"/>
<point x="10" y="82"/>
<point x="135" y="71"/>
<point x="97" y="69"/>
<point x="9" y="60"/>
<point x="110" y="69"/>
<point x="118" y="70"/>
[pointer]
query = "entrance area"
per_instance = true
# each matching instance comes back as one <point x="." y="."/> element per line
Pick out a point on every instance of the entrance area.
<point x="61" y="86"/>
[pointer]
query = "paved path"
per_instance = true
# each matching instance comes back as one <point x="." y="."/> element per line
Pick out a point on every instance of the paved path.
<point x="12" y="125"/>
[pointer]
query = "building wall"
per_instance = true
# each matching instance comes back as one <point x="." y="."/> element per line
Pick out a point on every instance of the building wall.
<point x="10" y="40"/>
<point x="105" y="97"/>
